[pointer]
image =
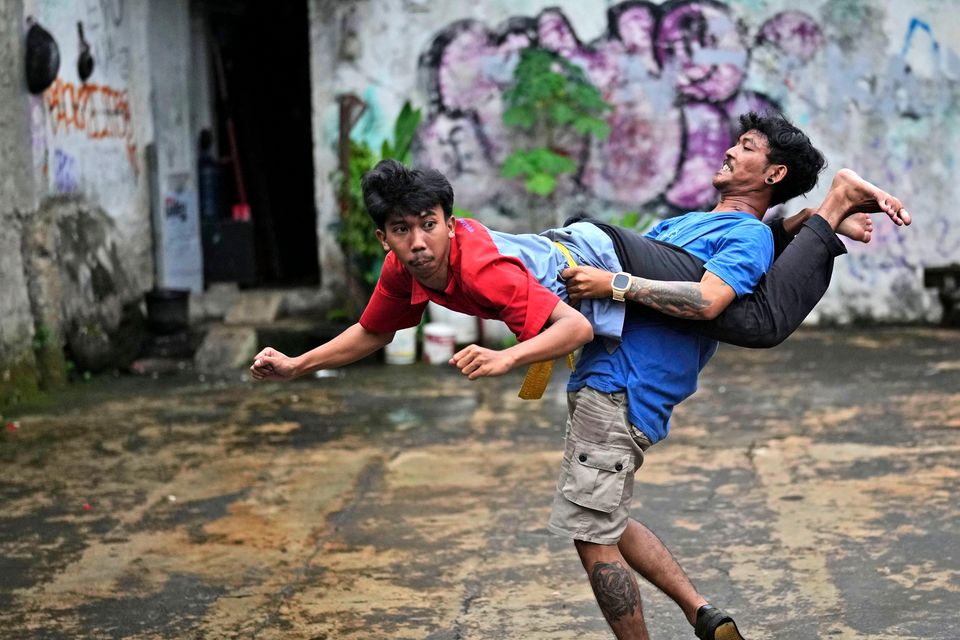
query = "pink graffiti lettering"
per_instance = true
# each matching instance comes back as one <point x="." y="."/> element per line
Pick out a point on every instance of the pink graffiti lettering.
<point x="673" y="73"/>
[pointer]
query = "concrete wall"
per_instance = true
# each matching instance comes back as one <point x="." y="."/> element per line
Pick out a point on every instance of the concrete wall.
<point x="17" y="364"/>
<point x="76" y="243"/>
<point x="331" y="42"/>
<point x="176" y="221"/>
<point x="89" y="139"/>
<point x="873" y="82"/>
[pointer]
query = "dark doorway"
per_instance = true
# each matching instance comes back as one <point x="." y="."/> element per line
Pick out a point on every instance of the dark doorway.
<point x="264" y="53"/>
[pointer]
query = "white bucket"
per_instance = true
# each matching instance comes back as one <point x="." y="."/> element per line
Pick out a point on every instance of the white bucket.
<point x="438" y="342"/>
<point x="464" y="326"/>
<point x="403" y="349"/>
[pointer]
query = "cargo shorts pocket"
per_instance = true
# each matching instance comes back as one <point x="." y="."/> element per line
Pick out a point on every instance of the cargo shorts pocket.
<point x="594" y="479"/>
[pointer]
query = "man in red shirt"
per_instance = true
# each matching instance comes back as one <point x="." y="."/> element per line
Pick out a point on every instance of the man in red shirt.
<point x="432" y="256"/>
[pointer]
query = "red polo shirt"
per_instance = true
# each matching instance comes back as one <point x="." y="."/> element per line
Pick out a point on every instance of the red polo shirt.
<point x="481" y="282"/>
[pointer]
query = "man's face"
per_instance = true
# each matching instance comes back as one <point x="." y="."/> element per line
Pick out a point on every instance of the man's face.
<point x="745" y="165"/>
<point x="421" y="241"/>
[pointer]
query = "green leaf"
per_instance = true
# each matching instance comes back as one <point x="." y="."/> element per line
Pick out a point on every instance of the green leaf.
<point x="550" y="162"/>
<point x="541" y="184"/>
<point x="640" y="223"/>
<point x="563" y="164"/>
<point x="561" y="113"/>
<point x="630" y="219"/>
<point x="520" y="116"/>
<point x="588" y="100"/>
<point x="592" y="127"/>
<point x="517" y="164"/>
<point x="404" y="131"/>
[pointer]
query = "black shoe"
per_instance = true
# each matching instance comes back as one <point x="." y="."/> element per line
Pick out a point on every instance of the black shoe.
<point x="715" y="624"/>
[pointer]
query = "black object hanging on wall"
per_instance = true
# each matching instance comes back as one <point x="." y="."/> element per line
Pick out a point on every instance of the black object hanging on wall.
<point x="43" y="58"/>
<point x="85" y="60"/>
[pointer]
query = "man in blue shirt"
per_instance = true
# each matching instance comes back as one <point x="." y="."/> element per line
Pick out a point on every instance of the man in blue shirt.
<point x="621" y="396"/>
<point x="629" y="379"/>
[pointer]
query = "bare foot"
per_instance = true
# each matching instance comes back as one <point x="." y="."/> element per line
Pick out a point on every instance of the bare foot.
<point x="858" y="226"/>
<point x="850" y="194"/>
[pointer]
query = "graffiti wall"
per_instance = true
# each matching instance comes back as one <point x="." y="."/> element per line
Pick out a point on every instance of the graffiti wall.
<point x="89" y="125"/>
<point x="874" y="83"/>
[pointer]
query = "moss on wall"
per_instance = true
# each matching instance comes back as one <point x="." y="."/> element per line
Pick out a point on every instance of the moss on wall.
<point x="19" y="382"/>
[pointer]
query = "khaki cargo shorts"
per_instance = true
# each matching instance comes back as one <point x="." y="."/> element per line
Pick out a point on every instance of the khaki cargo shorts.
<point x="602" y="453"/>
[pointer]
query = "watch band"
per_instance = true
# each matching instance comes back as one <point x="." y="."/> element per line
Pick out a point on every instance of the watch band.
<point x="619" y="292"/>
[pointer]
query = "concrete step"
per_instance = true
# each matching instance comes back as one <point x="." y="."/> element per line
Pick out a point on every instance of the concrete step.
<point x="226" y="347"/>
<point x="231" y="347"/>
<point x="241" y="322"/>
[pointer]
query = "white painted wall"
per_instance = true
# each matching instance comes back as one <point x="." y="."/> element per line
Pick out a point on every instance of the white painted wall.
<point x="89" y="139"/>
<point x="176" y="220"/>
<point x="328" y="41"/>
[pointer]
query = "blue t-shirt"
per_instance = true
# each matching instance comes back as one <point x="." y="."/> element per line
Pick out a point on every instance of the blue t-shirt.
<point x="657" y="364"/>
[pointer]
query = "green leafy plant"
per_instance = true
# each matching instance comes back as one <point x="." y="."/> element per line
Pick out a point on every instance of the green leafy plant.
<point x="404" y="129"/>
<point x="355" y="230"/>
<point x="550" y="97"/>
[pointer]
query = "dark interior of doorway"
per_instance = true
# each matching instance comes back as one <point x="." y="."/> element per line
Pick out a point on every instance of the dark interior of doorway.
<point x="265" y="54"/>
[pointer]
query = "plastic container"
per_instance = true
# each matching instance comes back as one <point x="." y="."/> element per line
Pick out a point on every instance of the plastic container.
<point x="464" y="326"/>
<point x="439" y="341"/>
<point x="403" y="348"/>
<point x="168" y="310"/>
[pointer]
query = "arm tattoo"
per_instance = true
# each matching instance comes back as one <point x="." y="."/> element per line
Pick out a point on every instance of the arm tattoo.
<point x="616" y="592"/>
<point x="680" y="299"/>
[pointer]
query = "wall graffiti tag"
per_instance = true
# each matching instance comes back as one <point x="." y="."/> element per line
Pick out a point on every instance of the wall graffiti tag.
<point x="674" y="74"/>
<point x="64" y="172"/>
<point x="97" y="111"/>
<point x="876" y="88"/>
<point x="84" y="118"/>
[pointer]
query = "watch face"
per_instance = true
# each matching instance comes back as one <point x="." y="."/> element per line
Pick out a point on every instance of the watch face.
<point x="621" y="281"/>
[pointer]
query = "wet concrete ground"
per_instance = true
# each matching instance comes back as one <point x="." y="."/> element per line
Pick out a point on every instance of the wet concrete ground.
<point x="811" y="490"/>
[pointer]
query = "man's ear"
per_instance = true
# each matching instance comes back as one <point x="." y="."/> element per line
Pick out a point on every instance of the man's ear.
<point x="382" y="237"/>
<point x="451" y="225"/>
<point x="779" y="173"/>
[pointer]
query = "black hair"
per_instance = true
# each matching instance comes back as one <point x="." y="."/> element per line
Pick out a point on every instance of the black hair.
<point x="790" y="147"/>
<point x="391" y="188"/>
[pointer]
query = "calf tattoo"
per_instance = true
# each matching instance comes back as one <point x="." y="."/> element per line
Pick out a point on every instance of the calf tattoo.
<point x="681" y="299"/>
<point x="616" y="592"/>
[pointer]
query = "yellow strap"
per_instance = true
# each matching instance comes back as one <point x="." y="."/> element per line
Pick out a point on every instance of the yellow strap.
<point x="538" y="374"/>
<point x="566" y="254"/>
<point x="535" y="382"/>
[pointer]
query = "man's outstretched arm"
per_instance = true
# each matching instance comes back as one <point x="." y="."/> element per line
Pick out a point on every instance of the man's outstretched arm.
<point x="351" y="345"/>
